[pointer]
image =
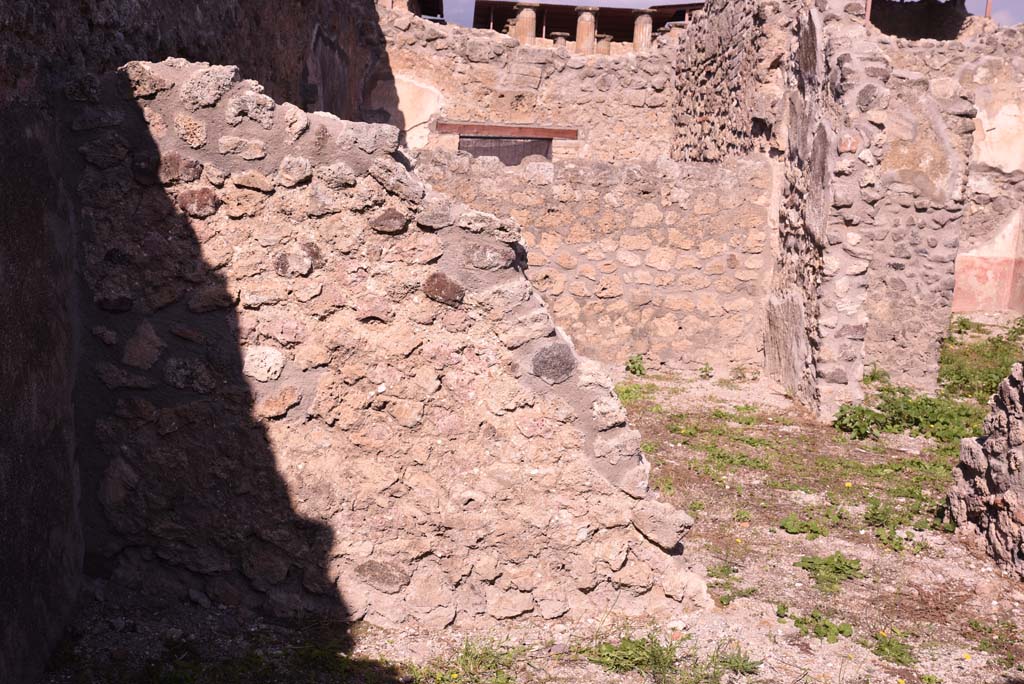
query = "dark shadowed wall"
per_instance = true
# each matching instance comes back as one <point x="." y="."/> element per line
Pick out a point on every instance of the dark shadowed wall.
<point x="319" y="53"/>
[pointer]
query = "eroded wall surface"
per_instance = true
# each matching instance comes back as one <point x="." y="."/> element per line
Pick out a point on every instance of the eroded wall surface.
<point x="655" y="259"/>
<point x="901" y="155"/>
<point x="314" y="386"/>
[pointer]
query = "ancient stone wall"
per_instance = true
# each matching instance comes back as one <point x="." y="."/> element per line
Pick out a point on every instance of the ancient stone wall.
<point x="633" y="258"/>
<point x="621" y="105"/>
<point x="881" y="135"/>
<point x="902" y="148"/>
<point x="726" y="102"/>
<point x="987" y="501"/>
<point x="311" y="384"/>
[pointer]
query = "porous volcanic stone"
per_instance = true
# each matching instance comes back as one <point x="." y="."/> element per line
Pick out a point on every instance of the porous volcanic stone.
<point x="390" y="222"/>
<point x="441" y="288"/>
<point x="199" y="203"/>
<point x="384" y="576"/>
<point x="554" y="363"/>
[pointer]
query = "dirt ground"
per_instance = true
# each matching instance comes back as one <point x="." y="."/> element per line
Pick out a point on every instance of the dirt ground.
<point x="742" y="459"/>
<point x="922" y="607"/>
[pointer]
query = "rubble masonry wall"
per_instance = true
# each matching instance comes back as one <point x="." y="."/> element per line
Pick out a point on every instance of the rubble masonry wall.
<point x="903" y="169"/>
<point x="726" y="102"/>
<point x="282" y="317"/>
<point x="638" y="258"/>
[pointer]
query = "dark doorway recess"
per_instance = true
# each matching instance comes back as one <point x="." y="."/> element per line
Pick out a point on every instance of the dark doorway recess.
<point x="511" y="151"/>
<point x="917" y="19"/>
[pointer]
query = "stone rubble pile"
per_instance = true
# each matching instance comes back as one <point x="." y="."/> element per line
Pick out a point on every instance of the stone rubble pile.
<point x="987" y="500"/>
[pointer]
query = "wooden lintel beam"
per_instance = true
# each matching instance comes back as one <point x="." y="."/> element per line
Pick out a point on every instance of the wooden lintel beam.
<point x="485" y="130"/>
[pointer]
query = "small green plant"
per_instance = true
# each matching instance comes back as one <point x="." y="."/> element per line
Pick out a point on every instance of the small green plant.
<point x="899" y="409"/>
<point x="892" y="648"/>
<point x="706" y="372"/>
<point x="725" y="582"/>
<point x="876" y="375"/>
<point x="685" y="430"/>
<point x="793" y="524"/>
<point x="1003" y="639"/>
<point x="962" y="325"/>
<point x="664" y="484"/>
<point x="722" y="458"/>
<point x="633" y="393"/>
<point x="930" y="679"/>
<point x="475" y="663"/>
<point x="741" y="516"/>
<point x="716" y="666"/>
<point x="887" y="519"/>
<point x="738" y="662"/>
<point x="649" y="447"/>
<point x="829" y="572"/>
<point x="880" y="514"/>
<point x="743" y="374"/>
<point x="695" y="507"/>
<point x="974" y="368"/>
<point x="635" y="365"/>
<point x="860" y="421"/>
<point x="721" y="571"/>
<point x="821" y="627"/>
<point x="648" y="655"/>
<point x="743" y="414"/>
<point x="734" y="593"/>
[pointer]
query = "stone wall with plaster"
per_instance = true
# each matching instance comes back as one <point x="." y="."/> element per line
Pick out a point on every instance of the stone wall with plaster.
<point x="281" y="316"/>
<point x="902" y="152"/>
<point x="621" y="105"/>
<point x="634" y="258"/>
<point x="990" y="262"/>
<point x="887" y="129"/>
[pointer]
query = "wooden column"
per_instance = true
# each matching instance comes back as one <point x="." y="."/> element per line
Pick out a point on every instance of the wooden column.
<point x="642" y="27"/>
<point x="867" y="12"/>
<point x="988" y="9"/>
<point x="526" y="23"/>
<point x="586" y="30"/>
